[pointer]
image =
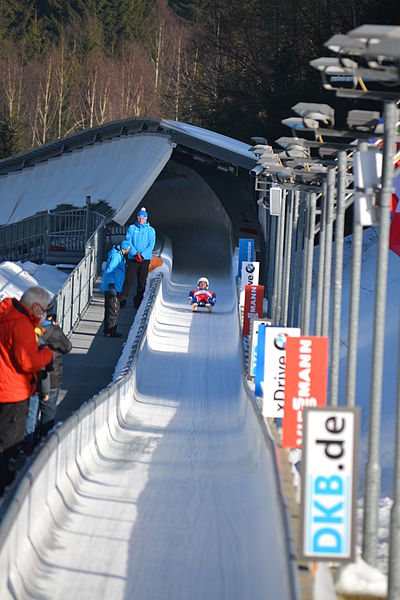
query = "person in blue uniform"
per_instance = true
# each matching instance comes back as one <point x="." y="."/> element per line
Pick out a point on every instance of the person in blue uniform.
<point x="111" y="284"/>
<point x="142" y="238"/>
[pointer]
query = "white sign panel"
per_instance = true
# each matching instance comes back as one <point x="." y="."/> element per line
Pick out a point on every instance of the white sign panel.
<point x="275" y="369"/>
<point x="250" y="276"/>
<point x="253" y="344"/>
<point x="329" y="483"/>
<point x="275" y="201"/>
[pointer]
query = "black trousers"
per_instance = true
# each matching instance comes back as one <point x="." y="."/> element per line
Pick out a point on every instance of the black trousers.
<point x="13" y="417"/>
<point x="111" y="312"/>
<point x="135" y="269"/>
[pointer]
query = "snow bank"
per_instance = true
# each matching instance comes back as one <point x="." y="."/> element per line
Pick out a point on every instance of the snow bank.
<point x="16" y="277"/>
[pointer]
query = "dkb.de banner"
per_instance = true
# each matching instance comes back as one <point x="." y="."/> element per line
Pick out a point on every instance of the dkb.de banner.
<point x="329" y="483"/>
<point x="305" y="383"/>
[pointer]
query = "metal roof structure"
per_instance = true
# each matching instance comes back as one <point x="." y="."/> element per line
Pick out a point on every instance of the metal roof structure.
<point x="115" y="163"/>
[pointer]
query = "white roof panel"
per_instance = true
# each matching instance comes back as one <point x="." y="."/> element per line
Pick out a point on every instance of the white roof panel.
<point x="118" y="171"/>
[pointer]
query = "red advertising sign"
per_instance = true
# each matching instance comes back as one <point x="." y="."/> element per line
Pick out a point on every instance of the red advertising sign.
<point x="305" y="384"/>
<point x="253" y="305"/>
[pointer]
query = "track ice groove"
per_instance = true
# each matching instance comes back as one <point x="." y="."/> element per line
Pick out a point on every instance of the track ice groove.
<point x="177" y="499"/>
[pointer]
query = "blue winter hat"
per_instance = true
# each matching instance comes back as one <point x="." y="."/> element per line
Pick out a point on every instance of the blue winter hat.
<point x="125" y="245"/>
<point x="142" y="213"/>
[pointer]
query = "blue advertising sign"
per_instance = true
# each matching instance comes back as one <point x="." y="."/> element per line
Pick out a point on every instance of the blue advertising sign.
<point x="259" y="360"/>
<point x="246" y="252"/>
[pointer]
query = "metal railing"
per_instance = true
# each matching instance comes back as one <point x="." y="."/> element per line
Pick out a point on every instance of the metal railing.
<point x="75" y="294"/>
<point x="55" y="233"/>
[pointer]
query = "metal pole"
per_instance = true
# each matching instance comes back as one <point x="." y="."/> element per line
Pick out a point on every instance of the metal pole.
<point x="372" y="470"/>
<point x="299" y="262"/>
<point x="353" y="313"/>
<point x="280" y="260"/>
<point x="87" y="230"/>
<point x="394" y="538"/>
<point x="306" y="249"/>
<point x="308" y="267"/>
<point x="328" y="250"/>
<point x="288" y="255"/>
<point x="272" y="225"/>
<point x="337" y="280"/>
<point x="276" y="268"/>
<point x="321" y="257"/>
<point x="293" y="257"/>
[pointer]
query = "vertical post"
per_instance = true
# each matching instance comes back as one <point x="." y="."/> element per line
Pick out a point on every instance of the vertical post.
<point x="46" y="241"/>
<point x="328" y="250"/>
<point x="394" y="539"/>
<point x="308" y="267"/>
<point x="293" y="257"/>
<point x="87" y="228"/>
<point x="321" y="259"/>
<point x="280" y="260"/>
<point x="337" y="280"/>
<point x="288" y="255"/>
<point x="272" y="242"/>
<point x="299" y="262"/>
<point x="276" y="269"/>
<point x="306" y="249"/>
<point x="372" y="470"/>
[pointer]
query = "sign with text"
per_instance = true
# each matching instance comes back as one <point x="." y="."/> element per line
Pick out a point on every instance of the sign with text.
<point x="250" y="275"/>
<point x="275" y="369"/>
<point x="329" y="483"/>
<point x="253" y="346"/>
<point x="246" y="252"/>
<point x="253" y="305"/>
<point x="305" y="383"/>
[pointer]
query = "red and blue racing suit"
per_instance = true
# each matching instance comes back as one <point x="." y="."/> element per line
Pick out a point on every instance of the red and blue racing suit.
<point x="202" y="297"/>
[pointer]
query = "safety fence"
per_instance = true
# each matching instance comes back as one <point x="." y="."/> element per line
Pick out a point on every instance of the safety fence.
<point x="53" y="236"/>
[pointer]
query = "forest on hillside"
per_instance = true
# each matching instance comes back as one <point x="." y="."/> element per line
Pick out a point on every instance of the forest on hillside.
<point x="234" y="66"/>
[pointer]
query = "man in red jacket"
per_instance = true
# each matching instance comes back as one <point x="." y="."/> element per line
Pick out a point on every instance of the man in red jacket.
<point x="20" y="359"/>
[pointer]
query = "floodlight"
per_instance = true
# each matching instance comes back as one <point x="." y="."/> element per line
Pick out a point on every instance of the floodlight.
<point x="259" y="140"/>
<point x="257" y="170"/>
<point x="288" y="142"/>
<point x="315" y="112"/>
<point x="363" y="120"/>
<point x="334" y="66"/>
<point x="374" y="34"/>
<point x="342" y="43"/>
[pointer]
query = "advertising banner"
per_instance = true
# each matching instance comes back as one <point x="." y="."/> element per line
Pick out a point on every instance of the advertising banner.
<point x="329" y="483"/>
<point x="253" y="305"/>
<point x="250" y="275"/>
<point x="246" y="252"/>
<point x="253" y="347"/>
<point x="275" y="369"/>
<point x="259" y="367"/>
<point x="305" y="383"/>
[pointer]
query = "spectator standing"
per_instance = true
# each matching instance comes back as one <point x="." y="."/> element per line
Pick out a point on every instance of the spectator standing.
<point x="142" y="238"/>
<point x="53" y="337"/>
<point x="20" y="360"/>
<point x="111" y="284"/>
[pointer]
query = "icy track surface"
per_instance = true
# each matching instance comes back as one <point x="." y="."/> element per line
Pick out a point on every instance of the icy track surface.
<point x="178" y="500"/>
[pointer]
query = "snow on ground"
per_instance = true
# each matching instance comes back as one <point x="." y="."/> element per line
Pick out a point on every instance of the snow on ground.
<point x="16" y="277"/>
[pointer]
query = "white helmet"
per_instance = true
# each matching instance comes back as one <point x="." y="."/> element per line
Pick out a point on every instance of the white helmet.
<point x="203" y="279"/>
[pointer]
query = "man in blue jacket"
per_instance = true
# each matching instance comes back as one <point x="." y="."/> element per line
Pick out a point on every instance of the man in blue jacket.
<point x="142" y="238"/>
<point x="111" y="284"/>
